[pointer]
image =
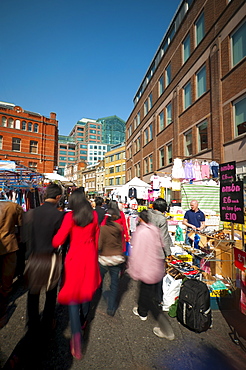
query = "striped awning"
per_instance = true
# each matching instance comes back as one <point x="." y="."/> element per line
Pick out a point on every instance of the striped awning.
<point x="208" y="197"/>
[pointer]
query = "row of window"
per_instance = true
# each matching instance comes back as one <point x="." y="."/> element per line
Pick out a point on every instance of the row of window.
<point x="115" y="157"/>
<point x="115" y="169"/>
<point x="238" y="48"/>
<point x="17" y="124"/>
<point x="115" y="181"/>
<point x="16" y="145"/>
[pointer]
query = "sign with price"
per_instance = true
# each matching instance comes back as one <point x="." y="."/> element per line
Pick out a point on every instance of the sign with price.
<point x="231" y="202"/>
<point x="240" y="259"/>
<point x="227" y="171"/>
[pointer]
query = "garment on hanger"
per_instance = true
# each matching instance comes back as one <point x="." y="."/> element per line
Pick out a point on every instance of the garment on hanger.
<point x="214" y="169"/>
<point x="197" y="170"/>
<point x="155" y="179"/>
<point x="176" y="185"/>
<point x="178" y="170"/>
<point x="188" y="169"/>
<point x="166" y="182"/>
<point x="205" y="169"/>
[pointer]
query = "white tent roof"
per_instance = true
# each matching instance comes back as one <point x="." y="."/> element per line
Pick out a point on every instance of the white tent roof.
<point x="141" y="187"/>
<point x="136" y="182"/>
<point x="56" y="177"/>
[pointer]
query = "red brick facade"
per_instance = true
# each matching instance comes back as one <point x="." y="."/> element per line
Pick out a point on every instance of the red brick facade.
<point x="28" y="137"/>
<point x="225" y="85"/>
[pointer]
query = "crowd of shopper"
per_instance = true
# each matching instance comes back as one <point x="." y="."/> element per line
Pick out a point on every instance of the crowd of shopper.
<point x="95" y="237"/>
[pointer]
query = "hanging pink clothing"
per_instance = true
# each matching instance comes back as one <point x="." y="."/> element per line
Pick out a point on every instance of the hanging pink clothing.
<point x="197" y="170"/>
<point x="205" y="170"/>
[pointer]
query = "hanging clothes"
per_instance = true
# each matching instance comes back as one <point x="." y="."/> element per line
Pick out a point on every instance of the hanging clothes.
<point x="214" y="169"/>
<point x="205" y="170"/>
<point x="188" y="169"/>
<point x="178" y="170"/>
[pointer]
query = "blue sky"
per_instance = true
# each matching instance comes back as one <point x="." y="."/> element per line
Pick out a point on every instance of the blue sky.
<point x="78" y="58"/>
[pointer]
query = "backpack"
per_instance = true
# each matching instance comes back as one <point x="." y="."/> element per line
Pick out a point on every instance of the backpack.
<point x="194" y="310"/>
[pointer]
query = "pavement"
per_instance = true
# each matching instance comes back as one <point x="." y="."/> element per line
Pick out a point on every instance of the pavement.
<point x="124" y="341"/>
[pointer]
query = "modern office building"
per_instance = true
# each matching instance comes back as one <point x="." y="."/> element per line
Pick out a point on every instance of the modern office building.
<point x="191" y="102"/>
<point x="89" y="140"/>
<point x="28" y="138"/>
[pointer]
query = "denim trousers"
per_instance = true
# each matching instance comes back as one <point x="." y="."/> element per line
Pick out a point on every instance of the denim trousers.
<point x="114" y="272"/>
<point x="77" y="316"/>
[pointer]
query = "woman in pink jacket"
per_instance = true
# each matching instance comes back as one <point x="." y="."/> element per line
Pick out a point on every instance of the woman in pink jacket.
<point x="147" y="265"/>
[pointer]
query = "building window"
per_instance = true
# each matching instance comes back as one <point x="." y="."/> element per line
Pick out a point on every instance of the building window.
<point x="35" y="127"/>
<point x="63" y="147"/>
<point x="16" y="144"/>
<point x="111" y="181"/>
<point x="150" y="101"/>
<point x="145" y="107"/>
<point x="186" y="48"/>
<point x="146" y="136"/>
<point x="111" y="169"/>
<point x="238" y="41"/>
<point x="4" y="121"/>
<point x="170" y="153"/>
<point x="150" y="132"/>
<point x="117" y="168"/>
<point x="200" y="29"/>
<point x="240" y="116"/>
<point x="138" y="118"/>
<point x="117" y="181"/>
<point x="1" y="142"/>
<point x="29" y="126"/>
<point x="187" y="95"/>
<point x="146" y="169"/>
<point x="33" y="146"/>
<point x="71" y="153"/>
<point x="188" y="143"/>
<point x="160" y="85"/>
<point x="169" y="114"/>
<point x="161" y="157"/>
<point x="92" y="137"/>
<point x="168" y="74"/>
<point x="202" y="136"/>
<point x="17" y="124"/>
<point x="150" y="163"/>
<point x="33" y="165"/>
<point x="63" y="158"/>
<point x="201" y="82"/>
<point x="63" y="152"/>
<point x="161" y="121"/>
<point x="10" y="123"/>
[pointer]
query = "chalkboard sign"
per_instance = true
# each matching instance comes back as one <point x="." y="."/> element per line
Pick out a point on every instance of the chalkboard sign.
<point x="231" y="202"/>
<point x="227" y="171"/>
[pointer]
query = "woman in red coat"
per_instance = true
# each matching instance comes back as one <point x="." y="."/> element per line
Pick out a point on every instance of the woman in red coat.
<point x="82" y="275"/>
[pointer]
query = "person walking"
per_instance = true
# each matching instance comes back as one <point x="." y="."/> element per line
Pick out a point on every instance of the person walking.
<point x="82" y="276"/>
<point x="10" y="217"/>
<point x="146" y="263"/>
<point x="111" y="256"/>
<point x="100" y="210"/>
<point x="43" y="265"/>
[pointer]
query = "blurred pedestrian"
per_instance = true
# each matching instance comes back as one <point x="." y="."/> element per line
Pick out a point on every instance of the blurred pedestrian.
<point x="82" y="276"/>
<point x="43" y="266"/>
<point x="146" y="263"/>
<point x="10" y="217"/>
<point x="100" y="210"/>
<point x="113" y="204"/>
<point x="111" y="256"/>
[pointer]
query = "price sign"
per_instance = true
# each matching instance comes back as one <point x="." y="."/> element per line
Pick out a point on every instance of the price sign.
<point x="227" y="171"/>
<point x="231" y="202"/>
<point x="240" y="259"/>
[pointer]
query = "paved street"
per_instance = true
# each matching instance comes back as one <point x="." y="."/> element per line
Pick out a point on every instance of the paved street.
<point x="126" y="342"/>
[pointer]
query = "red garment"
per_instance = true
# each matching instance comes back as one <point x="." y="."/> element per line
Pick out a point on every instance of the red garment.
<point x="82" y="276"/>
<point x="125" y="235"/>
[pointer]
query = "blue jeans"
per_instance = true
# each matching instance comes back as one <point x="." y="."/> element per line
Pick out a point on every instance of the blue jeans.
<point x="77" y="315"/>
<point x="114" y="272"/>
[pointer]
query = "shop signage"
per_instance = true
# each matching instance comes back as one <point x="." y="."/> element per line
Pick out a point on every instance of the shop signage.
<point x="227" y="171"/>
<point x="240" y="259"/>
<point x="231" y="202"/>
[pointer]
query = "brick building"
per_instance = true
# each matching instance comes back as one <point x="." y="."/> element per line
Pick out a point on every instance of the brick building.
<point x="28" y="137"/>
<point x="192" y="101"/>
